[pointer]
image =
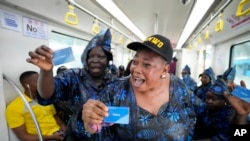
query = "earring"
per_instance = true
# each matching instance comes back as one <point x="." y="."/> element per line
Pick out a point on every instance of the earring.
<point x="163" y="76"/>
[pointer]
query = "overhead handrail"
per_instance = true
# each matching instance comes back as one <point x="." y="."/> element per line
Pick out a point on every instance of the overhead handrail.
<point x="212" y="18"/>
<point x="26" y="104"/>
<point x="71" y="17"/>
<point x="240" y="11"/>
<point x="72" y="2"/>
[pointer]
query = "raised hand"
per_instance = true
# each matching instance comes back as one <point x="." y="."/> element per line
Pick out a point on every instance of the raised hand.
<point x="41" y="57"/>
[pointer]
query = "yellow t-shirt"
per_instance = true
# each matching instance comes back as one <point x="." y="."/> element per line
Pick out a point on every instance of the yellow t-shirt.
<point x="17" y="114"/>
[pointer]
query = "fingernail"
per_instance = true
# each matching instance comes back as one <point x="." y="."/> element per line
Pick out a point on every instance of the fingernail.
<point x="107" y="114"/>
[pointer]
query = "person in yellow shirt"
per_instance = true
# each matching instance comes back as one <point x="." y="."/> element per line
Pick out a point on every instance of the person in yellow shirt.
<point x="20" y="121"/>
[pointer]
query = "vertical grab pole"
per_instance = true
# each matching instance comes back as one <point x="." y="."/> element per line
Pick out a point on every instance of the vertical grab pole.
<point x="26" y="104"/>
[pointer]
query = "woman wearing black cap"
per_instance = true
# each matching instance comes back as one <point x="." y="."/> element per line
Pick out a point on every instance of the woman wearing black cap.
<point x="160" y="106"/>
<point x="73" y="87"/>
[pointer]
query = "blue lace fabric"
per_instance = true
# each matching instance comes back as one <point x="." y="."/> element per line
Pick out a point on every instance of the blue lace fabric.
<point x="191" y="84"/>
<point x="73" y="88"/>
<point x="174" y="121"/>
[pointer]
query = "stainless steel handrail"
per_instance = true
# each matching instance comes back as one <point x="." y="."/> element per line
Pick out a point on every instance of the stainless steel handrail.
<point x="26" y="104"/>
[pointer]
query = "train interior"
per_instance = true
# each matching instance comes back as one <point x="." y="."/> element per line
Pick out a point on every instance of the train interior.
<point x="219" y="37"/>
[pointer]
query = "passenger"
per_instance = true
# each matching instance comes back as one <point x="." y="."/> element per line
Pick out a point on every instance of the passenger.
<point x="214" y="123"/>
<point x="161" y="107"/>
<point x="19" y="118"/>
<point x="173" y="65"/>
<point x="75" y="86"/>
<point x="61" y="69"/>
<point x="127" y="70"/>
<point x="121" y="71"/>
<point x="191" y="84"/>
<point x="113" y="69"/>
<point x="207" y="79"/>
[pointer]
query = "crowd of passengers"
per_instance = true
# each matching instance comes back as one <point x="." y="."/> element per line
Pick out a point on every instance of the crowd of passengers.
<point x="162" y="105"/>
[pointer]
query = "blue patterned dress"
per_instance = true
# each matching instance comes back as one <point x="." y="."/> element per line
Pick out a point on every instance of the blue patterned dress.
<point x="214" y="125"/>
<point x="73" y="88"/>
<point x="174" y="122"/>
<point x="191" y="84"/>
<point x="202" y="90"/>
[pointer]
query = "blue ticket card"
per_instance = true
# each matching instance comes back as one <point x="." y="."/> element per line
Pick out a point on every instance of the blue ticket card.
<point x="118" y="115"/>
<point x="62" y="56"/>
<point x="242" y="93"/>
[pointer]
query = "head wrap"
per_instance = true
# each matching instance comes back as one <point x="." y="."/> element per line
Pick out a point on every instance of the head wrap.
<point x="210" y="73"/>
<point x="186" y="68"/>
<point x="229" y="74"/>
<point x="218" y="88"/>
<point x="102" y="39"/>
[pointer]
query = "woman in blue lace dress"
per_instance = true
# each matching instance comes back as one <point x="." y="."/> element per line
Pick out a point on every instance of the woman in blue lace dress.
<point x="161" y="108"/>
<point x="207" y="79"/>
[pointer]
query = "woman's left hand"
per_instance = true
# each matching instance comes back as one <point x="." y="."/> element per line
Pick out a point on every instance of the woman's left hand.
<point x="93" y="114"/>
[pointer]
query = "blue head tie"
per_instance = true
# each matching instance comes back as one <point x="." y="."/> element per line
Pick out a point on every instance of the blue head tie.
<point x="186" y="68"/>
<point x="229" y="74"/>
<point x="102" y="39"/>
<point x="218" y="88"/>
<point x="209" y="72"/>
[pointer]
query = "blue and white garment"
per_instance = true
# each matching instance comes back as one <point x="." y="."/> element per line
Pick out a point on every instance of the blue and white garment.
<point x="73" y="88"/>
<point x="210" y="73"/>
<point x="229" y="74"/>
<point x="102" y="39"/>
<point x="191" y="84"/>
<point x="201" y="91"/>
<point x="175" y="120"/>
<point x="215" y="124"/>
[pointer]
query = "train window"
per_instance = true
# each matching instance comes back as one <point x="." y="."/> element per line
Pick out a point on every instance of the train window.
<point x="59" y="40"/>
<point x="240" y="58"/>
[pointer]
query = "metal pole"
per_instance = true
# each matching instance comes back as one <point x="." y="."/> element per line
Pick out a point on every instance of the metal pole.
<point x="26" y="104"/>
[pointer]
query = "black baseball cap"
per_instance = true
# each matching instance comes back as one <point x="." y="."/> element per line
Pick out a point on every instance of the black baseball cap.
<point x="157" y="43"/>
